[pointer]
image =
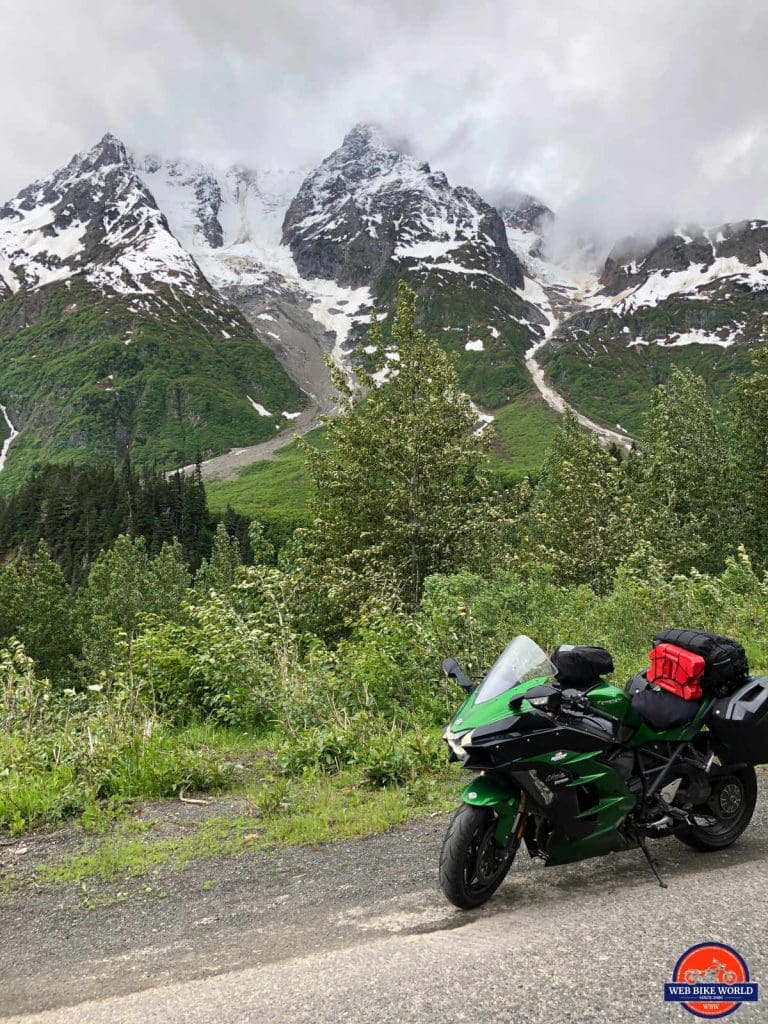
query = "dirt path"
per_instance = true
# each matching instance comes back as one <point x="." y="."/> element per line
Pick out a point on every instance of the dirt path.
<point x="227" y="466"/>
<point x="358" y="932"/>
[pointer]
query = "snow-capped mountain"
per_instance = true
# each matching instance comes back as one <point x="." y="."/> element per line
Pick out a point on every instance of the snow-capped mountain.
<point x="113" y="339"/>
<point x="368" y="205"/>
<point x="231" y="220"/>
<point x="307" y="256"/>
<point x="696" y="297"/>
<point x="92" y="218"/>
<point x="139" y="296"/>
<point x="692" y="262"/>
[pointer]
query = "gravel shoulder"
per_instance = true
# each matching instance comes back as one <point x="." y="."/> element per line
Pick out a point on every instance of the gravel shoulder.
<point x="358" y="931"/>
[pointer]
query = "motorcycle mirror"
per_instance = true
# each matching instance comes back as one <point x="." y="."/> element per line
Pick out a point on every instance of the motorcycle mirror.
<point x="453" y="670"/>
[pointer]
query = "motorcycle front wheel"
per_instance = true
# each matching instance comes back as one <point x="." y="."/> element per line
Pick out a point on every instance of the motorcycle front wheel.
<point x="472" y="864"/>
<point x="728" y="811"/>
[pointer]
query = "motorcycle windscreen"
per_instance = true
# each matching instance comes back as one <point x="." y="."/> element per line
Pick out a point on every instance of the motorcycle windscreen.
<point x="521" y="661"/>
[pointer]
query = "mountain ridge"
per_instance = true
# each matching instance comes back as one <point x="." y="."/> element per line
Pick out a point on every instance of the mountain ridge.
<point x="113" y="340"/>
<point x="296" y="259"/>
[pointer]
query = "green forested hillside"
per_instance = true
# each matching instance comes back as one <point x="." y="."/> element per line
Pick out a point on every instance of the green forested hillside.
<point x="87" y="378"/>
<point x="595" y="365"/>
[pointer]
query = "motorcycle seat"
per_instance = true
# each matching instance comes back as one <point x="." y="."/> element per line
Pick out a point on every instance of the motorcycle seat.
<point x="659" y="708"/>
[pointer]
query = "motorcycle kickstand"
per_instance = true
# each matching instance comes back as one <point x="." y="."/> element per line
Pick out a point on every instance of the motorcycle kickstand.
<point x="646" y="853"/>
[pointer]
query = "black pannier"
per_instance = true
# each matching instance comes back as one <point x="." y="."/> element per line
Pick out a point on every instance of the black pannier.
<point x="659" y="708"/>
<point x="740" y="722"/>
<point x="581" y="666"/>
<point x="726" y="661"/>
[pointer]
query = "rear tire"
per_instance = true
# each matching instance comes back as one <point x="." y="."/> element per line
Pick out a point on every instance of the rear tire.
<point x="472" y="864"/>
<point x="726" y="814"/>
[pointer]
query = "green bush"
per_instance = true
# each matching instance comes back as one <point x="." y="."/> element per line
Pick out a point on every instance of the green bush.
<point x="61" y="752"/>
<point x="382" y="753"/>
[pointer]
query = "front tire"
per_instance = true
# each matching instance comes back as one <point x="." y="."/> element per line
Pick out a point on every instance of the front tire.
<point x="472" y="864"/>
<point x="729" y="809"/>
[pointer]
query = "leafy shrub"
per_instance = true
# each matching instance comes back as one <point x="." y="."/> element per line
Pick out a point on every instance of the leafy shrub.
<point x="382" y="753"/>
<point x="394" y="759"/>
<point x="59" y="753"/>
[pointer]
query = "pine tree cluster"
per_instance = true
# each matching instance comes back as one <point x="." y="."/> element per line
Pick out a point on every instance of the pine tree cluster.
<point x="81" y="510"/>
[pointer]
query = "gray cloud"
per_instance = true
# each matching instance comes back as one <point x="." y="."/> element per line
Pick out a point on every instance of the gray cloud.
<point x="623" y="117"/>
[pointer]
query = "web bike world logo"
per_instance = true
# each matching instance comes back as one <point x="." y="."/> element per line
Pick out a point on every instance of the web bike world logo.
<point x="711" y="980"/>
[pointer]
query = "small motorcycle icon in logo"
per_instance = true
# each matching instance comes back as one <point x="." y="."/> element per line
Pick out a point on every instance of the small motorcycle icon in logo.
<point x="716" y="973"/>
<point x="711" y="980"/>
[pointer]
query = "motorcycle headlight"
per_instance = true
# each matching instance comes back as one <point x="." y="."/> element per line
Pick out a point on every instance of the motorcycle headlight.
<point x="455" y="743"/>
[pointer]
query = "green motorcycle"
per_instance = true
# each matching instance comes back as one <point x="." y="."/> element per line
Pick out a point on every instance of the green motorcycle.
<point x="573" y="767"/>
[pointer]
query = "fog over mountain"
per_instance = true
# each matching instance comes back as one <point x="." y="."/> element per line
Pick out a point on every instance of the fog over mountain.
<point x="622" y="118"/>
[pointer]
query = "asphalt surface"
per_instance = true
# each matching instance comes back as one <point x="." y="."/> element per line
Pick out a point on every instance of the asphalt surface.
<point x="358" y="931"/>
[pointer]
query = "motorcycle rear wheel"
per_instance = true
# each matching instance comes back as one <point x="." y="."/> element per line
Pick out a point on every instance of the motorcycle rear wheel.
<point x="472" y="864"/>
<point x="726" y="814"/>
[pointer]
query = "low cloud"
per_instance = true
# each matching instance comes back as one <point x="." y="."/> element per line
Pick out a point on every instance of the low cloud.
<point x="624" y="118"/>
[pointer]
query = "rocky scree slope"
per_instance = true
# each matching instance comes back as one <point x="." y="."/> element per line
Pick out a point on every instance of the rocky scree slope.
<point x="231" y="223"/>
<point x="112" y="339"/>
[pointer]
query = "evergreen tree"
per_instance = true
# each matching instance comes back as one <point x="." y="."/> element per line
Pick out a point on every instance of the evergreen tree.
<point x="682" y="478"/>
<point x="749" y="443"/>
<point x="36" y="608"/>
<point x="218" y="572"/>
<point x="403" y="490"/>
<point x="582" y="519"/>
<point x="81" y="510"/>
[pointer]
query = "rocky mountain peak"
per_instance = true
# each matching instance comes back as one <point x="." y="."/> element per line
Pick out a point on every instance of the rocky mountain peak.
<point x="364" y="136"/>
<point x="368" y="204"/>
<point x="109" y="151"/>
<point x="94" y="218"/>
<point x="526" y="213"/>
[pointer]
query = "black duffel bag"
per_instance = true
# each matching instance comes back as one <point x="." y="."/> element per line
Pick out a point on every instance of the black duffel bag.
<point x="581" y="666"/>
<point x="659" y="708"/>
<point x="725" y="660"/>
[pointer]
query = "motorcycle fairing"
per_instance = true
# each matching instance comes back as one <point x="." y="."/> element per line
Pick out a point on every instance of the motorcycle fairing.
<point x="492" y="791"/>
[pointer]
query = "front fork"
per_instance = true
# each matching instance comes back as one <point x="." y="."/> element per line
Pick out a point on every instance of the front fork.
<point x="509" y="805"/>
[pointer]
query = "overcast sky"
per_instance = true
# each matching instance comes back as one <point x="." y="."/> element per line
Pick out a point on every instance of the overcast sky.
<point x="622" y="115"/>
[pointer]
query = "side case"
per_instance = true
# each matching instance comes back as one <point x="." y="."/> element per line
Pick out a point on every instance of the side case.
<point x="740" y="722"/>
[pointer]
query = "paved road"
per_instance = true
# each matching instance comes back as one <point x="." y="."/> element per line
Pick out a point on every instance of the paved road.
<point x="358" y="931"/>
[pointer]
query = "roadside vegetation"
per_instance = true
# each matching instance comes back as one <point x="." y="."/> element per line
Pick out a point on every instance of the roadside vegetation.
<point x="301" y="672"/>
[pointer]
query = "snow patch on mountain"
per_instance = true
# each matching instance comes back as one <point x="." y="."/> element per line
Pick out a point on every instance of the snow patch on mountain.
<point x="12" y="435"/>
<point x="92" y="218"/>
<point x="369" y="204"/>
<point x="258" y="407"/>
